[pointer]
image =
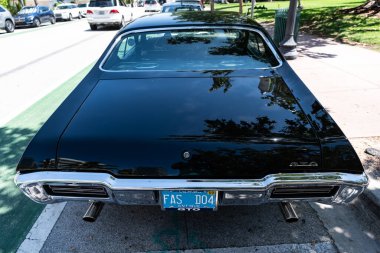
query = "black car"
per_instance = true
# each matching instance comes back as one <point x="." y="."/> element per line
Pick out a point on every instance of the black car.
<point x="190" y="111"/>
<point x="34" y="16"/>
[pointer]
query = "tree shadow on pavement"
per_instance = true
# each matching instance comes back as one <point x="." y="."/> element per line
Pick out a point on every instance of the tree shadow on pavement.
<point x="16" y="210"/>
<point x="307" y="43"/>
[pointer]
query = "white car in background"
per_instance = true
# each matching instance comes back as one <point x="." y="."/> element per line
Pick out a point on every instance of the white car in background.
<point x="152" y="6"/>
<point x="108" y="13"/>
<point x="83" y="9"/>
<point x="67" y="12"/>
<point x="6" y="20"/>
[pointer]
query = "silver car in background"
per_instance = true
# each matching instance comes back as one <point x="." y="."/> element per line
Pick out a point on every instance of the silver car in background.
<point x="7" y="22"/>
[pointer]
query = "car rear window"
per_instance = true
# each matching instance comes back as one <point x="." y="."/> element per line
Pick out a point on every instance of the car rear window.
<point x="102" y="3"/>
<point x="150" y="2"/>
<point x="198" y="49"/>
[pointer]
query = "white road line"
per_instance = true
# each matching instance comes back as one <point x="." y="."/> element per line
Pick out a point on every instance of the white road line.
<point x="321" y="247"/>
<point x="41" y="229"/>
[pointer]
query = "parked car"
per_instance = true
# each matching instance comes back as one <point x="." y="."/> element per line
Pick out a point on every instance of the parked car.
<point x="7" y="22"/>
<point x="190" y="111"/>
<point x="83" y="9"/>
<point x="67" y="12"/>
<point x="108" y="13"/>
<point x="152" y="6"/>
<point x="34" y="16"/>
<point x="177" y="6"/>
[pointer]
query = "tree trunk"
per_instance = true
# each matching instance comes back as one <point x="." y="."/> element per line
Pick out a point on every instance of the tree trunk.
<point x="212" y="5"/>
<point x="240" y="7"/>
<point x="371" y="7"/>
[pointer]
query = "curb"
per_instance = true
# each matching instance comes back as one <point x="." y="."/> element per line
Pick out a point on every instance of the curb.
<point x="370" y="198"/>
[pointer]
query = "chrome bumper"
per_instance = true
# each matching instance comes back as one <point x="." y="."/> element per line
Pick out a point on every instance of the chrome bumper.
<point x="233" y="192"/>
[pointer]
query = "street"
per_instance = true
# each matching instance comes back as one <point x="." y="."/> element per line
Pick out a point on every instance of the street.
<point x="39" y="61"/>
<point x="134" y="229"/>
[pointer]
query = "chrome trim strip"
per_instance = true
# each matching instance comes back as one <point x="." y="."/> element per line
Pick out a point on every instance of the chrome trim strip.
<point x="280" y="63"/>
<point x="351" y="185"/>
<point x="191" y="184"/>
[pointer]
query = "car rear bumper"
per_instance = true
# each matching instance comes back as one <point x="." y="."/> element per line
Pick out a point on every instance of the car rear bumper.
<point x="113" y="20"/>
<point x="50" y="187"/>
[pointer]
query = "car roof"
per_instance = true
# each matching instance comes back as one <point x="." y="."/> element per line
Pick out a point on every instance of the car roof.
<point x="190" y="19"/>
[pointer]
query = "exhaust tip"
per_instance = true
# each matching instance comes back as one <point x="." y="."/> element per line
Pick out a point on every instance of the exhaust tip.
<point x="291" y="220"/>
<point x="289" y="213"/>
<point x="93" y="211"/>
<point x="89" y="218"/>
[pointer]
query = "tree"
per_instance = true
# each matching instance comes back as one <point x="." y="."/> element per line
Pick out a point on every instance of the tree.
<point x="212" y="5"/>
<point x="371" y="8"/>
<point x="240" y="7"/>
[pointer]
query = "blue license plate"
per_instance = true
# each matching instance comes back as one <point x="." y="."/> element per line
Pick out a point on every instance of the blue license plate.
<point x="189" y="200"/>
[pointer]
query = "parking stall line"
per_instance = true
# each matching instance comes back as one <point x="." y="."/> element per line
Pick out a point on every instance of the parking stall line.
<point x="41" y="228"/>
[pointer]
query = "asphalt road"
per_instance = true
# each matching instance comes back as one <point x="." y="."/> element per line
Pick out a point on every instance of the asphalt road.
<point x="321" y="228"/>
<point x="40" y="60"/>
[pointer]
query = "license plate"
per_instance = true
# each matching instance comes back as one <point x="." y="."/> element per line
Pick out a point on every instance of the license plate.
<point x="189" y="200"/>
<point x="101" y="12"/>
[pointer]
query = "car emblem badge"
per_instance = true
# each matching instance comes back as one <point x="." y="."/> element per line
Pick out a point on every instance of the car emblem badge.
<point x="186" y="155"/>
<point x="302" y="164"/>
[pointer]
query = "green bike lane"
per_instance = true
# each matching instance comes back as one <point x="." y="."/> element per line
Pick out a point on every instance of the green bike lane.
<point x="17" y="212"/>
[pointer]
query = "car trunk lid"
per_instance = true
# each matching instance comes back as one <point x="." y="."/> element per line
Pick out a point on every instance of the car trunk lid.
<point x="218" y="127"/>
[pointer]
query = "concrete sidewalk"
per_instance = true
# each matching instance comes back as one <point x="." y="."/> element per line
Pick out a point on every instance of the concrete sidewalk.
<point x="346" y="80"/>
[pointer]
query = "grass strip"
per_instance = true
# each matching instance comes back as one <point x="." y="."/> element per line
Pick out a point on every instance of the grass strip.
<point x="322" y="17"/>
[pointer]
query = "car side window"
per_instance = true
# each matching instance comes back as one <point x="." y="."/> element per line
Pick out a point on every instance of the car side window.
<point x="122" y="3"/>
<point x="256" y="46"/>
<point x="1" y="9"/>
<point x="127" y="46"/>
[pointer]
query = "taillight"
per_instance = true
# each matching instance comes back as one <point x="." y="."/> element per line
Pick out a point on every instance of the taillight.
<point x="114" y="11"/>
<point x="89" y="12"/>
